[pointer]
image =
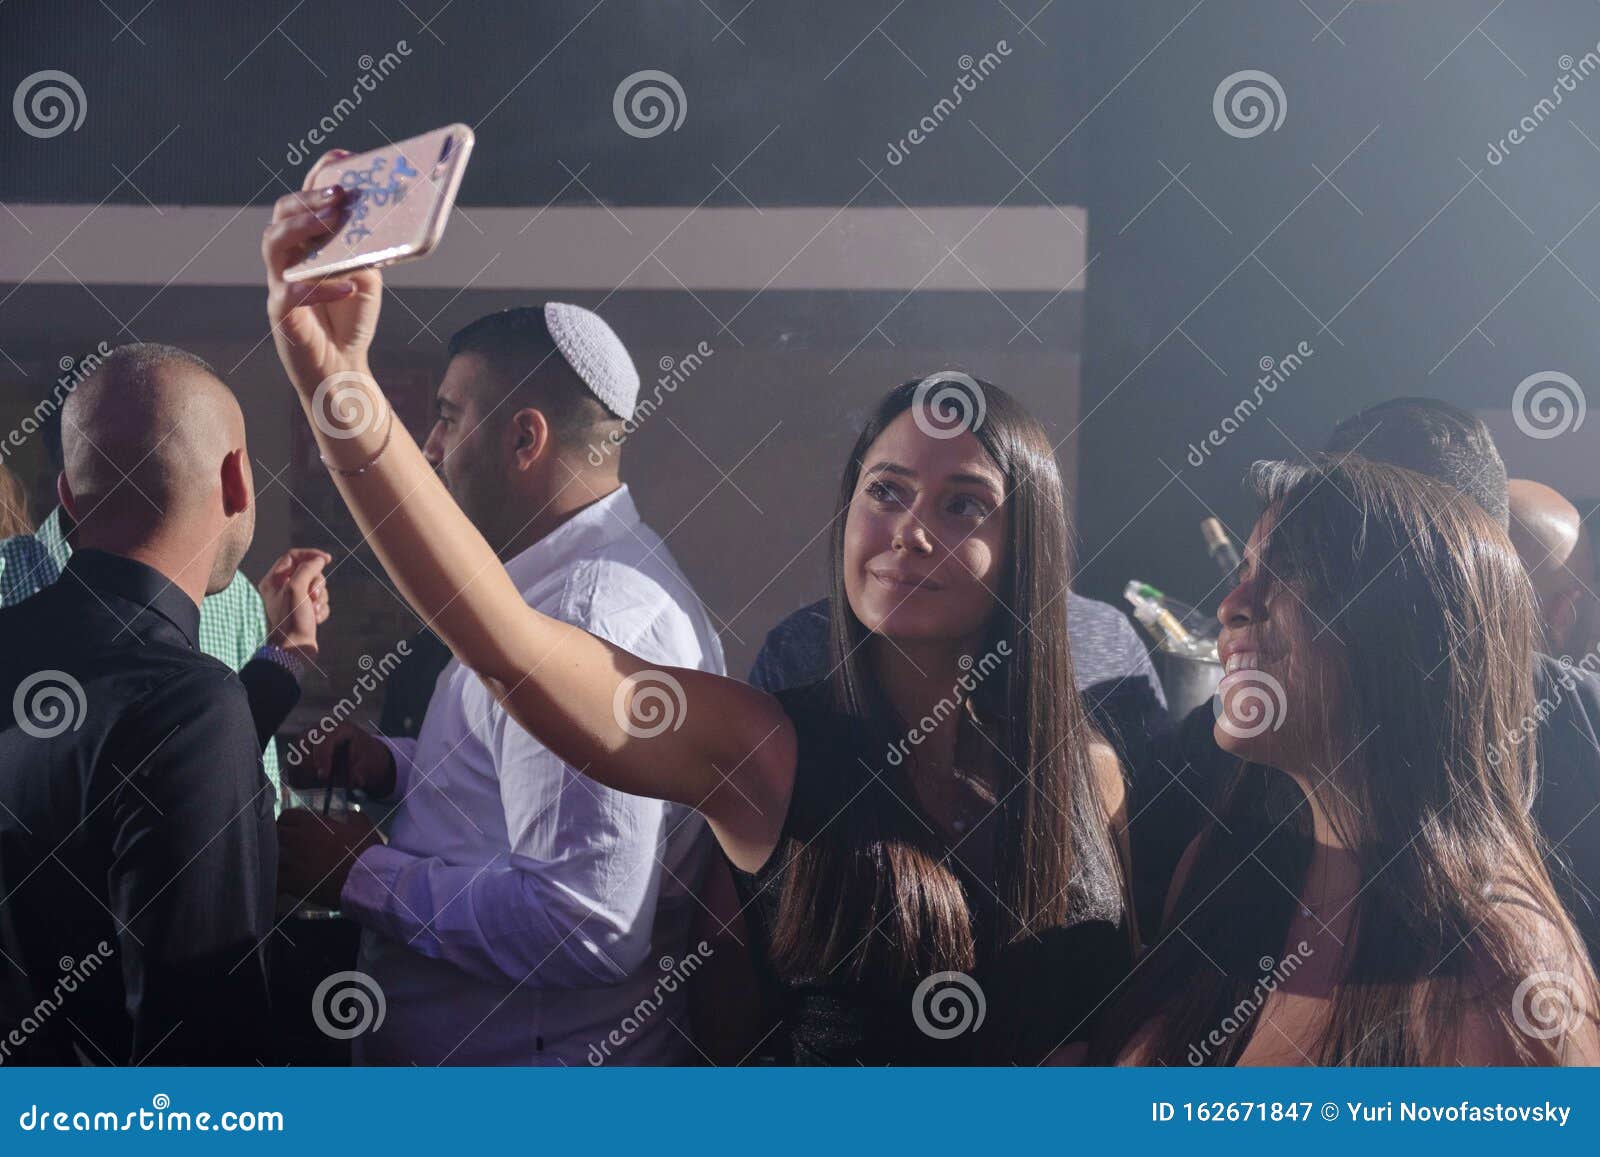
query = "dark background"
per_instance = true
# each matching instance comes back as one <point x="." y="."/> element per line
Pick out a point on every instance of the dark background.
<point x="1369" y="225"/>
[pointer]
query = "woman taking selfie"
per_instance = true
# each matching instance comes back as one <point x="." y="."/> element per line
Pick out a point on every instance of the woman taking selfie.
<point x="877" y="858"/>
<point x="1370" y="890"/>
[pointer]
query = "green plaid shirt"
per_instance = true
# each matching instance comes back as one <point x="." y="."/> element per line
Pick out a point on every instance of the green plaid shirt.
<point x="233" y="622"/>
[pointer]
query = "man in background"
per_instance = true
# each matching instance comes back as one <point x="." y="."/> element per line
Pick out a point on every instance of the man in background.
<point x="1558" y="551"/>
<point x="137" y="860"/>
<point x="268" y="637"/>
<point x="519" y="912"/>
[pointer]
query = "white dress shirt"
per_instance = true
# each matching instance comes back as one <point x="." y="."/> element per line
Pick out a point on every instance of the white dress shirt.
<point x="522" y="913"/>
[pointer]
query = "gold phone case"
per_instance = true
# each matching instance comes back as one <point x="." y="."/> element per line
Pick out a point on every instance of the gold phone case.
<point x="402" y="196"/>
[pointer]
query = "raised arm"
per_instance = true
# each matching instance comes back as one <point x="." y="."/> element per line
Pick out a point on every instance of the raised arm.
<point x="683" y="735"/>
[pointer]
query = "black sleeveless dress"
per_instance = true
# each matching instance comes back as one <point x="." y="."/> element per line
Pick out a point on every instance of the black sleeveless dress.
<point x="1034" y="995"/>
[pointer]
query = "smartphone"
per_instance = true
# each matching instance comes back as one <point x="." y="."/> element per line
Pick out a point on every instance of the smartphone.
<point x="400" y="199"/>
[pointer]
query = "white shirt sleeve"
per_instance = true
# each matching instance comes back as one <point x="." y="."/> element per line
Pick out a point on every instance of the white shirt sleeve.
<point x="570" y="907"/>
<point x="404" y="750"/>
<point x="574" y="902"/>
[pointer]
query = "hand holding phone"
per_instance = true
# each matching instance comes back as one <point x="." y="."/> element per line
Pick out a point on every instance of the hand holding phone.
<point x="323" y="301"/>
<point x="396" y="202"/>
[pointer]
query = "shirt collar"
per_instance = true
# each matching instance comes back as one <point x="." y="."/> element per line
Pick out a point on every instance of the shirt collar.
<point x="587" y="532"/>
<point x="125" y="578"/>
<point x="53" y="536"/>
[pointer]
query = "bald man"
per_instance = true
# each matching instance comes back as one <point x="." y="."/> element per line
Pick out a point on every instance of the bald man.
<point x="137" y="855"/>
<point x="1554" y="545"/>
<point x="268" y="635"/>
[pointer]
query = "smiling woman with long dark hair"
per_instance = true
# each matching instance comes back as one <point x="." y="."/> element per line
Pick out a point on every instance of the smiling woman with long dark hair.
<point x="982" y="847"/>
<point x="938" y="812"/>
<point x="1370" y="890"/>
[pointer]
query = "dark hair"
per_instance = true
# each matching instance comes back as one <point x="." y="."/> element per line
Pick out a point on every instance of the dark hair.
<point x="1434" y="618"/>
<point x="523" y="357"/>
<point x="875" y="898"/>
<point x="133" y="366"/>
<point x="1432" y="438"/>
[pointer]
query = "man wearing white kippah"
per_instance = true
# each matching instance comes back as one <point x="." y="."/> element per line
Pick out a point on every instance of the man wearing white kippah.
<point x="520" y="913"/>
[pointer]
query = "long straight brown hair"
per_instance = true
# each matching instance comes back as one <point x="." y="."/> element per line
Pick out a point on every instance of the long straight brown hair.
<point x="1435" y="623"/>
<point x="873" y="896"/>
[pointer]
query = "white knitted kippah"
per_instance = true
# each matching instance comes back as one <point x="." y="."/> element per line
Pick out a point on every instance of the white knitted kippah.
<point x="596" y="354"/>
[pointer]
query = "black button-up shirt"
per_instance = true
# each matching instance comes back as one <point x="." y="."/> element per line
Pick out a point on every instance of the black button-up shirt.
<point x="137" y="852"/>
